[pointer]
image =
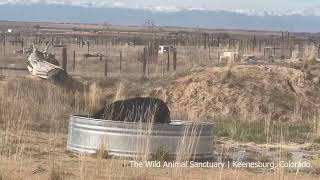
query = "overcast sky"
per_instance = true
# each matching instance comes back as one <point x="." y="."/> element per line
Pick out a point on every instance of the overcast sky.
<point x="269" y="5"/>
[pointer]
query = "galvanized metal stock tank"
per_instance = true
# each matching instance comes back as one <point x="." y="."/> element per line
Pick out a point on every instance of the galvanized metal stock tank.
<point x="131" y="140"/>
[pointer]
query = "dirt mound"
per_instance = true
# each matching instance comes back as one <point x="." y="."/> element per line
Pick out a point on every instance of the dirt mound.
<point x="246" y="91"/>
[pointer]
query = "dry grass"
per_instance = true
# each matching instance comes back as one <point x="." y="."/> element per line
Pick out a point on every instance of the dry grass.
<point x="228" y="73"/>
<point x="309" y="54"/>
<point x="20" y="118"/>
<point x="29" y="105"/>
<point x="34" y="118"/>
<point x="55" y="174"/>
<point x="36" y="105"/>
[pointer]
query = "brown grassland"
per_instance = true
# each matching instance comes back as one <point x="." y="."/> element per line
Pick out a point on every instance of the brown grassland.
<point x="268" y="112"/>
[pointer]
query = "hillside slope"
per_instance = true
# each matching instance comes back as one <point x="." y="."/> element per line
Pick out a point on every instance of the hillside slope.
<point x="248" y="91"/>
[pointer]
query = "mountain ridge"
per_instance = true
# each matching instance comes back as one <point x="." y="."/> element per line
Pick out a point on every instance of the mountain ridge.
<point x="310" y="11"/>
<point x="41" y="12"/>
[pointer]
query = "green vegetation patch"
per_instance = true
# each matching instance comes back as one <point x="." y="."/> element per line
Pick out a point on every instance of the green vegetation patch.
<point x="264" y="132"/>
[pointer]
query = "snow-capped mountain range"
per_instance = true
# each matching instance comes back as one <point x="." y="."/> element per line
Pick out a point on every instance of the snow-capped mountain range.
<point x="115" y="12"/>
<point x="311" y="11"/>
<point x="314" y="11"/>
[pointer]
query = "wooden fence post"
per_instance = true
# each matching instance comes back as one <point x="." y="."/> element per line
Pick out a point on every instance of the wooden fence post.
<point x="260" y="46"/>
<point x="254" y="43"/>
<point x="106" y="67"/>
<point x="162" y="67"/>
<point x="120" y="62"/>
<point x="88" y="44"/>
<point x="174" y="60"/>
<point x="4" y="45"/>
<point x="205" y="42"/>
<point x="22" y="44"/>
<point x="74" y="60"/>
<point x="36" y="39"/>
<point x="319" y="50"/>
<point x="84" y="59"/>
<point x="168" y="60"/>
<point x="64" y="59"/>
<point x="144" y="60"/>
<point x="209" y="52"/>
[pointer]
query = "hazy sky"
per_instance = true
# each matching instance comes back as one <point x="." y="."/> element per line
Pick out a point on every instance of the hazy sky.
<point x="273" y="5"/>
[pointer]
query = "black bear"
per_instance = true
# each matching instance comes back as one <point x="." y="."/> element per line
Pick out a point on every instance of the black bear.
<point x="140" y="109"/>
